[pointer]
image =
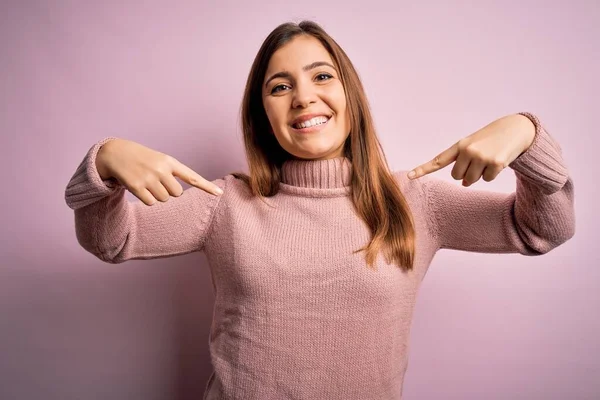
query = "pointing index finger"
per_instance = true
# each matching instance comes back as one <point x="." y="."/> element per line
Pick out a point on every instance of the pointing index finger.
<point x="442" y="160"/>
<point x="190" y="176"/>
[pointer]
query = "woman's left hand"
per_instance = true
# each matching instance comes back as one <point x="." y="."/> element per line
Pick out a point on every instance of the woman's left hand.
<point x="484" y="153"/>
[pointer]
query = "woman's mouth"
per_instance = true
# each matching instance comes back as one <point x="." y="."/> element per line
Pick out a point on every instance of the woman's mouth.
<point x="312" y="125"/>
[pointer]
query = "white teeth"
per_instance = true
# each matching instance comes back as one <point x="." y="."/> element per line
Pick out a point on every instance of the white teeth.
<point x="312" y="122"/>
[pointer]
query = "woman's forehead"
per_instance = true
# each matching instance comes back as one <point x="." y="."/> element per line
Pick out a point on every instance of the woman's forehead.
<point x="298" y="53"/>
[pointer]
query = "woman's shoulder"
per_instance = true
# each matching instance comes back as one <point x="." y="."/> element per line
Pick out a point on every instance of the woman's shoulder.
<point x="237" y="184"/>
<point x="416" y="191"/>
<point x="407" y="185"/>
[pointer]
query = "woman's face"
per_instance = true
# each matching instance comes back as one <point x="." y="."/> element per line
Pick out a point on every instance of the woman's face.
<point x="305" y="101"/>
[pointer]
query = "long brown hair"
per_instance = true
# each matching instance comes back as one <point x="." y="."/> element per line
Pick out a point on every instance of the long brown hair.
<point x="376" y="195"/>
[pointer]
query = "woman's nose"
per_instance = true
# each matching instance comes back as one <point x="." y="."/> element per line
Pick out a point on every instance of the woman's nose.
<point x="304" y="95"/>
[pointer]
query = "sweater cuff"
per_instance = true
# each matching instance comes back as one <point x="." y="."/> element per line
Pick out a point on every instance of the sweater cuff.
<point x="86" y="186"/>
<point x="542" y="163"/>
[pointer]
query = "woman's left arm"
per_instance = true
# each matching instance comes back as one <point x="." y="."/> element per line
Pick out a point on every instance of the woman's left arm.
<point x="536" y="218"/>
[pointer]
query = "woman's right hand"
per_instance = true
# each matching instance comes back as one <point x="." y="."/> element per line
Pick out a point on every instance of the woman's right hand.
<point x="148" y="174"/>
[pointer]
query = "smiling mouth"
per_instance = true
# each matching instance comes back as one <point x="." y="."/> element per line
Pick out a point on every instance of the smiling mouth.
<point x="316" y="121"/>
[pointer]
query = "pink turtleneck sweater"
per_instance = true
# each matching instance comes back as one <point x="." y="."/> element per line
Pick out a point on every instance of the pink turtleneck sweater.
<point x="297" y="315"/>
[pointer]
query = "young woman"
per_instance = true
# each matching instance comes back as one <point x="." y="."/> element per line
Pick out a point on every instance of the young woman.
<point x="317" y="255"/>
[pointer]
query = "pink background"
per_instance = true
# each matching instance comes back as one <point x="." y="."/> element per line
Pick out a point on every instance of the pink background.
<point x="170" y="75"/>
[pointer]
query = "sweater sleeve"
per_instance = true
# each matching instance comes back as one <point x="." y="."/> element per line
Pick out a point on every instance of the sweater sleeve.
<point x="536" y="218"/>
<point x="116" y="230"/>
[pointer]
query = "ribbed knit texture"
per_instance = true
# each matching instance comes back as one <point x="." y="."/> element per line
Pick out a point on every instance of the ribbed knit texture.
<point x="297" y="315"/>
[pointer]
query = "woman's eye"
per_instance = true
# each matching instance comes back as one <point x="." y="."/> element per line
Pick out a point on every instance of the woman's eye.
<point x="324" y="77"/>
<point x="278" y="88"/>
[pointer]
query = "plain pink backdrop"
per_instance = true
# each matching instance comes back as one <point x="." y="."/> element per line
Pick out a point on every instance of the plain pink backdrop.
<point x="171" y="74"/>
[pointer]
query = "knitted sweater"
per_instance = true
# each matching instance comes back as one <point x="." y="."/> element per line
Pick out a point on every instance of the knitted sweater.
<point x="297" y="315"/>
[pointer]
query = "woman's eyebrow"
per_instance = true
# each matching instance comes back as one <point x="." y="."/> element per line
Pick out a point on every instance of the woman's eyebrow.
<point x="285" y="74"/>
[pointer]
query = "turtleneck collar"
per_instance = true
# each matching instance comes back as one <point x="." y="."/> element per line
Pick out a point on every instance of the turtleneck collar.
<point x="334" y="173"/>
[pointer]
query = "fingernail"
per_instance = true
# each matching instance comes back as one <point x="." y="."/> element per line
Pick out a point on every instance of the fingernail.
<point x="412" y="174"/>
<point x="218" y="191"/>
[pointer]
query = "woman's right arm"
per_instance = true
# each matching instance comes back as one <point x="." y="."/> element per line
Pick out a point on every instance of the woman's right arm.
<point x="115" y="229"/>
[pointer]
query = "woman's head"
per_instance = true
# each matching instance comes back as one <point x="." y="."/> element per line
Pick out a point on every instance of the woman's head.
<point x="301" y="72"/>
<point x="304" y="100"/>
